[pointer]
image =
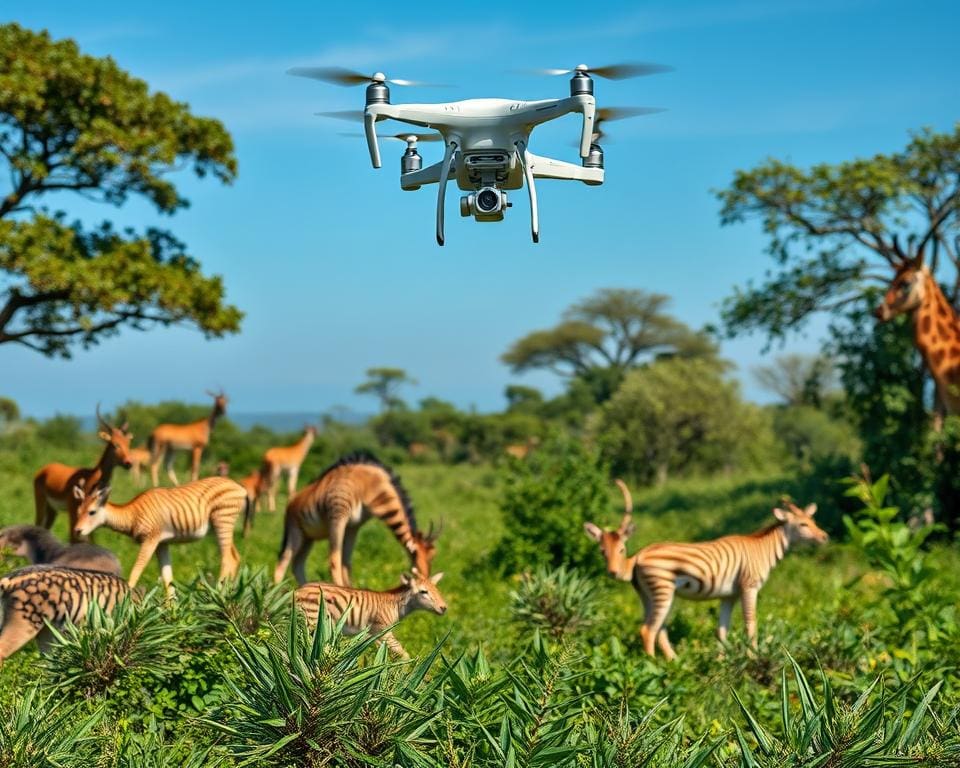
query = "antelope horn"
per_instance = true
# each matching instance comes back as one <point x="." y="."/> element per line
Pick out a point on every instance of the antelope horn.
<point x="627" y="503"/>
<point x="103" y="422"/>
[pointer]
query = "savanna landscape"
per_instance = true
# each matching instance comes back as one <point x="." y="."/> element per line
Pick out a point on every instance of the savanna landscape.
<point x="538" y="658"/>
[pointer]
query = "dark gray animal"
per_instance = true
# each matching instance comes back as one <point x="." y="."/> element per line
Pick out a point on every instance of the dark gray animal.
<point x="41" y="547"/>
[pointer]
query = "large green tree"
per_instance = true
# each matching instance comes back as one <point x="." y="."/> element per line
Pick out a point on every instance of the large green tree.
<point x="605" y="335"/>
<point x="72" y="123"/>
<point x="834" y="228"/>
<point x="384" y="384"/>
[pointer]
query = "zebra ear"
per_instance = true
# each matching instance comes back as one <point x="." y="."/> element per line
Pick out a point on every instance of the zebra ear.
<point x="78" y="493"/>
<point x="436" y="577"/>
<point x="780" y="514"/>
<point x="405" y="579"/>
<point x="811" y="509"/>
<point x="593" y="531"/>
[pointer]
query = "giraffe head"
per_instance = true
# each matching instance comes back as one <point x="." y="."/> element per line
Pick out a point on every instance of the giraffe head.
<point x="906" y="292"/>
<point x="613" y="544"/>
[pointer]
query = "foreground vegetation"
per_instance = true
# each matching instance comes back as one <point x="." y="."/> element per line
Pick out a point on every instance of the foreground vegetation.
<point x="531" y="666"/>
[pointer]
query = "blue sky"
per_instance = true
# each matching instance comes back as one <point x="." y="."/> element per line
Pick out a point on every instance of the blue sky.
<point x="338" y="270"/>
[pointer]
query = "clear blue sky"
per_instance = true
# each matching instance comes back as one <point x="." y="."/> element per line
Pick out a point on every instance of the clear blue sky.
<point x="337" y="269"/>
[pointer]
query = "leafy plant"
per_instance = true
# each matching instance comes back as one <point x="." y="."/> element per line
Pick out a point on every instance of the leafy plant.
<point x="559" y="602"/>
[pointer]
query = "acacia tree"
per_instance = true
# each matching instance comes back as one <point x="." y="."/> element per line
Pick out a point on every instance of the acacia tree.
<point x="384" y="384"/>
<point x="71" y="123"/>
<point x="603" y="336"/>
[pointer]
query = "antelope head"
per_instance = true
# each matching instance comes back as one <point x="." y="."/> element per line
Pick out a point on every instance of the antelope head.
<point x="798" y="524"/>
<point x="424" y="592"/>
<point x="118" y="438"/>
<point x="613" y="544"/>
<point x="422" y="548"/>
<point x="90" y="512"/>
<point x="219" y="402"/>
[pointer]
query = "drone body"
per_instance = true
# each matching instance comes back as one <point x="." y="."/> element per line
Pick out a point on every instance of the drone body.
<point x="486" y="141"/>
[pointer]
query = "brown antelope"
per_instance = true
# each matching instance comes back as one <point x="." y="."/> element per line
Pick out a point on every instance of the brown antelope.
<point x="139" y="458"/>
<point x="728" y="568"/>
<point x="253" y="485"/>
<point x="41" y="547"/>
<point x="285" y="459"/>
<point x="376" y="611"/>
<point x="53" y="485"/>
<point x="193" y="437"/>
<point x="334" y="506"/>
<point x="522" y="450"/>
<point x="162" y="516"/>
<point x="36" y="595"/>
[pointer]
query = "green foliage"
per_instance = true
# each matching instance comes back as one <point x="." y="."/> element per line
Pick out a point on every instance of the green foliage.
<point x="384" y="383"/>
<point x="546" y="500"/>
<point x="70" y="122"/>
<point x="9" y="410"/>
<point x="61" y="430"/>
<point x="43" y="729"/>
<point x="797" y="379"/>
<point x="681" y="416"/>
<point x="558" y="602"/>
<point x="811" y="435"/>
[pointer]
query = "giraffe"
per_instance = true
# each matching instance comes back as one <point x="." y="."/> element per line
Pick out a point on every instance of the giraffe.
<point x="936" y="325"/>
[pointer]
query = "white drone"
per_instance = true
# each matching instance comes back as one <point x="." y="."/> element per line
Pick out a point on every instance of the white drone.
<point x="487" y="139"/>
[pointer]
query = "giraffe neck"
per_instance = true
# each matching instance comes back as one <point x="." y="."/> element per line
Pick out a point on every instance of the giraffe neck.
<point x="937" y="335"/>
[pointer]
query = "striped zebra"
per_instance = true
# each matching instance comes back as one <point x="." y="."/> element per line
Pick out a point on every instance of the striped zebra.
<point x="335" y="505"/>
<point x="32" y="596"/>
<point x="366" y="609"/>
<point x="730" y="568"/>
<point x="163" y="516"/>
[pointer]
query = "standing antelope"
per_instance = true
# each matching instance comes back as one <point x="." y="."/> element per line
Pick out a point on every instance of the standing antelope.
<point x="41" y="547"/>
<point x="139" y="458"/>
<point x="32" y="596"/>
<point x="334" y="506"/>
<point x="728" y="568"/>
<point x="193" y="437"/>
<point x="366" y="609"/>
<point x="162" y="516"/>
<point x="54" y="484"/>
<point x="285" y="459"/>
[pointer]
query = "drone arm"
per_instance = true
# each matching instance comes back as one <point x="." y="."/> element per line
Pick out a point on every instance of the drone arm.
<point x="548" y="168"/>
<point x="586" y="136"/>
<point x="370" y="126"/>
<point x="524" y="158"/>
<point x="441" y="192"/>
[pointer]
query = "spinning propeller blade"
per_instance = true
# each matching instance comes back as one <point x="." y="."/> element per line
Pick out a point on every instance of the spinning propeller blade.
<point x="605" y="114"/>
<point x="610" y="72"/>
<point x="353" y="115"/>
<point x="400" y="136"/>
<point x="342" y="76"/>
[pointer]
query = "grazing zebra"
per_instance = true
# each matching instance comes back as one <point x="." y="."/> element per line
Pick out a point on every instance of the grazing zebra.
<point x="366" y="609"/>
<point x="32" y="596"/>
<point x="335" y="505"/>
<point x="41" y="547"/>
<point x="161" y="516"/>
<point x="728" y="568"/>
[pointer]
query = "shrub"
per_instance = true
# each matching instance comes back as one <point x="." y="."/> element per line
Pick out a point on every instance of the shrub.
<point x="546" y="500"/>
<point x="561" y="602"/>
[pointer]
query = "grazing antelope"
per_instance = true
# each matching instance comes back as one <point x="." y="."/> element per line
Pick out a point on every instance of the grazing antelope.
<point x="41" y="547"/>
<point x="334" y="506"/>
<point x="520" y="451"/>
<point x="53" y="485"/>
<point x="162" y="516"/>
<point x="253" y="485"/>
<point x="193" y="437"/>
<point x="139" y="458"/>
<point x="285" y="459"/>
<point x="32" y="596"/>
<point x="728" y="568"/>
<point x="366" y="609"/>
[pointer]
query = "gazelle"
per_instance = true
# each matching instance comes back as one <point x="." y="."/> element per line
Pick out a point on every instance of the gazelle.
<point x="253" y="485"/>
<point x="376" y="611"/>
<point x="163" y="516"/>
<point x="139" y="458"/>
<point x="36" y="595"/>
<point x="336" y="504"/>
<point x="41" y="547"/>
<point x="193" y="437"/>
<point x="54" y="484"/>
<point x="730" y="568"/>
<point x="287" y="459"/>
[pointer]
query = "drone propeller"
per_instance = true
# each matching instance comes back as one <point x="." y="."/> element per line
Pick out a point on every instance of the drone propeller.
<point x="351" y="115"/>
<point x="407" y="137"/>
<point x="341" y="76"/>
<point x="610" y="72"/>
<point x="607" y="114"/>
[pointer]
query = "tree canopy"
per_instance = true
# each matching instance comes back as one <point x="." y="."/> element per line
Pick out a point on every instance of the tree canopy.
<point x="831" y="226"/>
<point x="384" y="383"/>
<point x="72" y="123"/>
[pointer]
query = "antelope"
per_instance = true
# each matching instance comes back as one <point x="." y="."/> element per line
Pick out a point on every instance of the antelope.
<point x="285" y="459"/>
<point x="253" y="485"/>
<point x="728" y="568"/>
<point x="34" y="596"/>
<point x="159" y="517"/>
<point x="54" y="484"/>
<point x="139" y="458"/>
<point x="41" y="547"/>
<point x="193" y="437"/>
<point x="376" y="611"/>
<point x="333" y="507"/>
<point x="520" y="451"/>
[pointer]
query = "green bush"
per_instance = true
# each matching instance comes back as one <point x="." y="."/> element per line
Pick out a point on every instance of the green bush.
<point x="546" y="500"/>
<point x="560" y="602"/>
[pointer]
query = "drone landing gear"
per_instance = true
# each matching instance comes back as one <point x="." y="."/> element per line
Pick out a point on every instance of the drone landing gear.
<point x="442" y="186"/>
<point x="524" y="158"/>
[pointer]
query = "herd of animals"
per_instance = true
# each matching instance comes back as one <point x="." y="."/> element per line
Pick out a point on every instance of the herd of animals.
<point x="64" y="580"/>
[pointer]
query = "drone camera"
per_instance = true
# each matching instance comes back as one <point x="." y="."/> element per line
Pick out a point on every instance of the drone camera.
<point x="486" y="204"/>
